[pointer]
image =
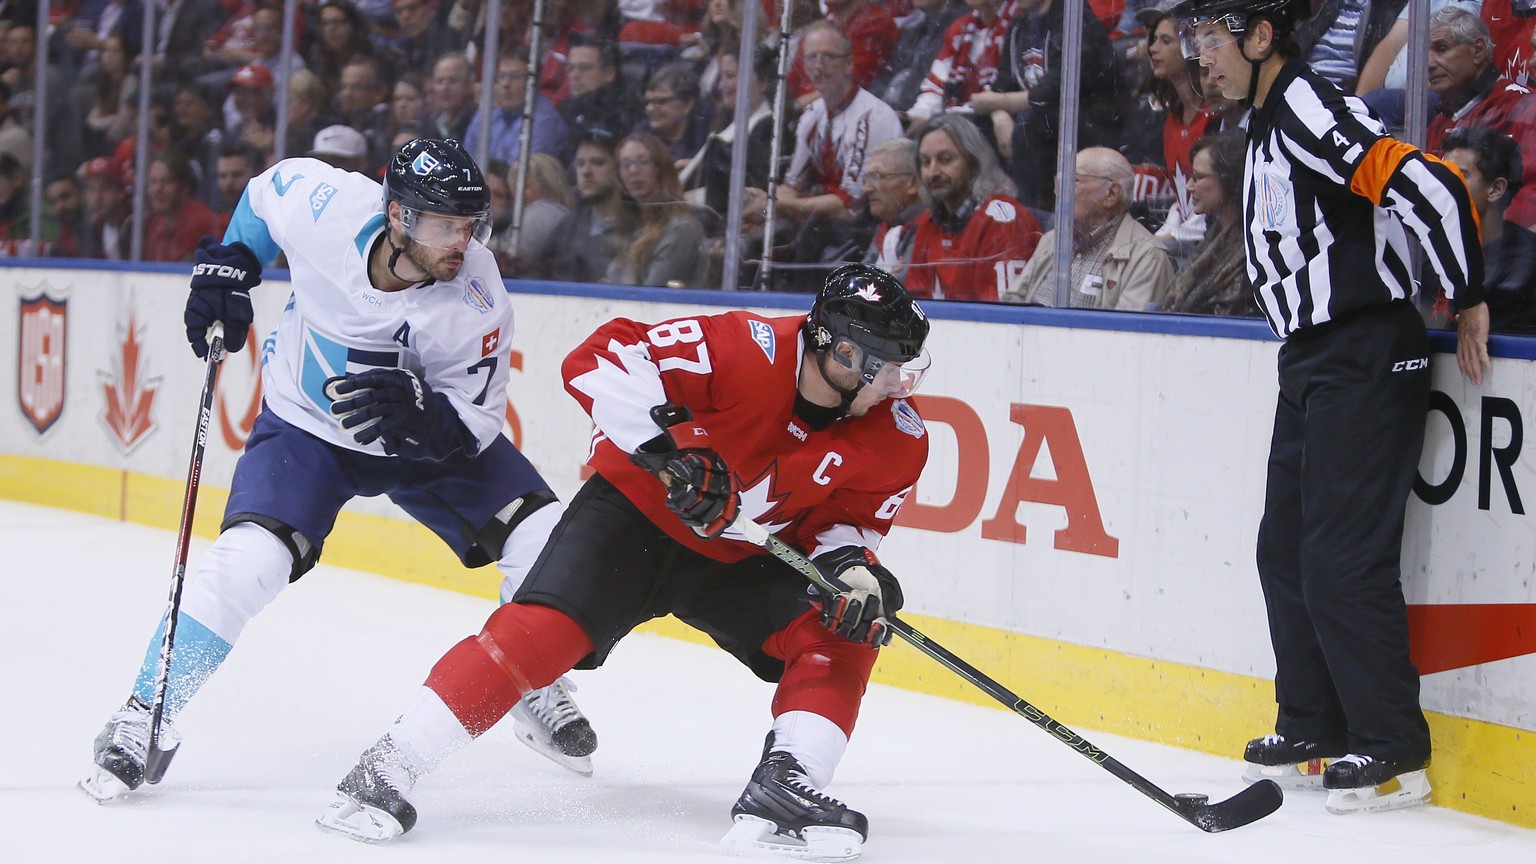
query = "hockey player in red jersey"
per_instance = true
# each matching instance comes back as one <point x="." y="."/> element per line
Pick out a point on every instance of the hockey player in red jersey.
<point x="800" y="424"/>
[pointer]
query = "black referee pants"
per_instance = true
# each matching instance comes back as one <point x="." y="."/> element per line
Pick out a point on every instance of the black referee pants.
<point x="1349" y="429"/>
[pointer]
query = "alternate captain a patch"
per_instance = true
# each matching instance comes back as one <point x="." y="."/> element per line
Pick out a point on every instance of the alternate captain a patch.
<point x="762" y="334"/>
<point x="477" y="297"/>
<point x="907" y="419"/>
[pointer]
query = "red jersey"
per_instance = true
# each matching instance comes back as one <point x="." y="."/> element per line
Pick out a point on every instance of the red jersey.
<point x="1509" y="108"/>
<point x="738" y="373"/>
<point x="981" y="260"/>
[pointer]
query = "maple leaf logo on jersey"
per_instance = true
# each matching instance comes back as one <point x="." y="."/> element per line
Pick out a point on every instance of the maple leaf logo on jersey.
<point x="128" y="394"/>
<point x="758" y="500"/>
<point x="870" y="293"/>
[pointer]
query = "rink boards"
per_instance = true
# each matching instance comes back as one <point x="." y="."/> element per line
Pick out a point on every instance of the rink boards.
<point x="1083" y="531"/>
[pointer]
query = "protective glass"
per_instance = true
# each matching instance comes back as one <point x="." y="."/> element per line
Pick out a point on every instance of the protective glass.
<point x="1194" y="43"/>
<point x="895" y="379"/>
<point x="445" y="232"/>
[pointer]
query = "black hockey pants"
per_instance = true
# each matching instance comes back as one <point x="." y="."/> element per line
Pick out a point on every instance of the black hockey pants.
<point x="1349" y="429"/>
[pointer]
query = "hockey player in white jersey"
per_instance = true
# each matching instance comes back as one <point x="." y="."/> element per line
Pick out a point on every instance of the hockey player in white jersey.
<point x="387" y="374"/>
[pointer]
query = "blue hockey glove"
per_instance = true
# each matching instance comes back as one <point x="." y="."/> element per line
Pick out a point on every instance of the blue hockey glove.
<point x="701" y="489"/>
<point x="222" y="279"/>
<point x="867" y="593"/>
<point x="397" y="408"/>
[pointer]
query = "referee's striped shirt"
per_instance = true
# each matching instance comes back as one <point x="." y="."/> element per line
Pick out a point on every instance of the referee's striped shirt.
<point x="1328" y="197"/>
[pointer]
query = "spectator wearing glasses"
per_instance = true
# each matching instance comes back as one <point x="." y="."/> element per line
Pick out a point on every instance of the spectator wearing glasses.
<point x="975" y="235"/>
<point x="834" y="135"/>
<point x="667" y="247"/>
<point x="893" y="195"/>
<point x="1116" y="263"/>
<point x="1215" y="281"/>
<point x="596" y="98"/>
<point x="672" y="111"/>
<point x="871" y="33"/>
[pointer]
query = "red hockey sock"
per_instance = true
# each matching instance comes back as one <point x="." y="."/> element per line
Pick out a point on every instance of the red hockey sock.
<point x="522" y="648"/>
<point x="823" y="672"/>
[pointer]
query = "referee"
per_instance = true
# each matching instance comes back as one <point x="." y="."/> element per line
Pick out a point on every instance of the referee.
<point x="1330" y="204"/>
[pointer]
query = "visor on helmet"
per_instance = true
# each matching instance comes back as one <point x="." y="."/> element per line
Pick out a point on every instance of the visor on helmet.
<point x="441" y="231"/>
<point x="894" y="378"/>
<point x="1194" y="43"/>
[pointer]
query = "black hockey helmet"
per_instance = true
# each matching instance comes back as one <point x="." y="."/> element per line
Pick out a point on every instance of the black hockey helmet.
<point x="870" y="308"/>
<point x="437" y="175"/>
<point x="1285" y="15"/>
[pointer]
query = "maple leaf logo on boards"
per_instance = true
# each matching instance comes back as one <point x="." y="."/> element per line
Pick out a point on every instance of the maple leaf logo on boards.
<point x="128" y="395"/>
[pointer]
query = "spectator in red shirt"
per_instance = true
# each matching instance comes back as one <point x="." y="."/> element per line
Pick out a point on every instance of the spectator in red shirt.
<point x="177" y="220"/>
<point x="1473" y="93"/>
<point x="976" y="236"/>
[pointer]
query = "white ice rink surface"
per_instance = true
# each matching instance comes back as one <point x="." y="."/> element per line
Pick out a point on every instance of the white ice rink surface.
<point x="320" y="674"/>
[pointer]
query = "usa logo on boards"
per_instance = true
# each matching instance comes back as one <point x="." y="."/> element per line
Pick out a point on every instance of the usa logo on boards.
<point x="41" y="360"/>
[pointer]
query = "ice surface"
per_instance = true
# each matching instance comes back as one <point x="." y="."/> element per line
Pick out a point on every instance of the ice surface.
<point x="319" y="676"/>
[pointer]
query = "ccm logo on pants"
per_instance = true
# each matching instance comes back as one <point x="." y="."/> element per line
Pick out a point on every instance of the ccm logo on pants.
<point x="218" y="270"/>
<point x="1410" y="365"/>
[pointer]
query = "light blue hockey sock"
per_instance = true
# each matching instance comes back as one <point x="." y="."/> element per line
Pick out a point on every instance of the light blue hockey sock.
<point x="197" y="653"/>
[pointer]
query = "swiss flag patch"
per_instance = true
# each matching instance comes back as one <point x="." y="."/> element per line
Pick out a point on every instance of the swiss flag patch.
<point x="489" y="342"/>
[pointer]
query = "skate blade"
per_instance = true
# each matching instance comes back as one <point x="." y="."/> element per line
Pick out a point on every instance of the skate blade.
<point x="528" y="735"/>
<point x="103" y="786"/>
<point x="1404" y="790"/>
<point x="1298" y="777"/>
<point x="757" y="837"/>
<point x="358" y="821"/>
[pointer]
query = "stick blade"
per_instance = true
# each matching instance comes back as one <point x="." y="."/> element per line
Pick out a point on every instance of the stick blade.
<point x="1249" y="805"/>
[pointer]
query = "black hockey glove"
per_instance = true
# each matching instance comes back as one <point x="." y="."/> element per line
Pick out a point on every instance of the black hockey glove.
<point x="867" y="593"/>
<point x="396" y="407"/>
<point x="701" y="489"/>
<point x="222" y="279"/>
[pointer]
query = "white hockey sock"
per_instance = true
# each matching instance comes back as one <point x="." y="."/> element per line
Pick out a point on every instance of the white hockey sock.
<point x="243" y="571"/>
<point x="523" y="547"/>
<point x="816" y="742"/>
<point x="427" y="732"/>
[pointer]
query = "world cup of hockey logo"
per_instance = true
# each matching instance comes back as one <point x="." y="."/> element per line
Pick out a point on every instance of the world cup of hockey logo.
<point x="1273" y="200"/>
<point x="425" y="164"/>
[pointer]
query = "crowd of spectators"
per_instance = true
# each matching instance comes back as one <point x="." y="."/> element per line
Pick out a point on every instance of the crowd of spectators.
<point x="920" y="135"/>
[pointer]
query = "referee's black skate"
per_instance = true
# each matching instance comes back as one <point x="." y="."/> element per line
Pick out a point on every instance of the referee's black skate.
<point x="781" y="812"/>
<point x="1291" y="762"/>
<point x="370" y="804"/>
<point x="1364" y="784"/>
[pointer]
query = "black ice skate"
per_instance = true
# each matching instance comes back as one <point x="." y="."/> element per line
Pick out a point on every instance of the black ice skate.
<point x="1290" y="762"/>
<point x="1362" y="784"/>
<point x="548" y="721"/>
<point x="370" y="804"/>
<point x="122" y="749"/>
<point x="781" y="812"/>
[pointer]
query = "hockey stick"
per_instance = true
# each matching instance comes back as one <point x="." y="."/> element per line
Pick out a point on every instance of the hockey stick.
<point x="1249" y="805"/>
<point x="157" y="759"/>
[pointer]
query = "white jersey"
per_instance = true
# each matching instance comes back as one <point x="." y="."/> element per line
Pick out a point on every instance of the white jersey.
<point x="455" y="334"/>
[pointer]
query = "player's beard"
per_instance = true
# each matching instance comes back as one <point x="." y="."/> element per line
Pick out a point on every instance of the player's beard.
<point x="434" y="262"/>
